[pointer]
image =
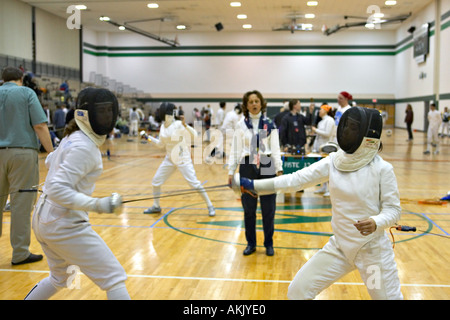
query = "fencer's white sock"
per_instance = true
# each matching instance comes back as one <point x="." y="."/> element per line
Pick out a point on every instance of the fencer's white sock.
<point x="44" y="290"/>
<point x="156" y="193"/>
<point x="118" y="292"/>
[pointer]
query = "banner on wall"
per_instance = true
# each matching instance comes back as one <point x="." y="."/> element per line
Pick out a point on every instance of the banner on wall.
<point x="422" y="43"/>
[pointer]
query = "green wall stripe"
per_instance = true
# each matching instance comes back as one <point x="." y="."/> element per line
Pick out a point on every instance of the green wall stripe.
<point x="219" y="54"/>
<point x="445" y="25"/>
<point x="235" y="48"/>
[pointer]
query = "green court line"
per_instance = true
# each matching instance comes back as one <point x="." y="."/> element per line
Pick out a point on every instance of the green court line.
<point x="290" y="219"/>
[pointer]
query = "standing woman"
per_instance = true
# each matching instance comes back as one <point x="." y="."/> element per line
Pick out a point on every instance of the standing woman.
<point x="409" y="118"/>
<point x="60" y="220"/>
<point x="256" y="149"/>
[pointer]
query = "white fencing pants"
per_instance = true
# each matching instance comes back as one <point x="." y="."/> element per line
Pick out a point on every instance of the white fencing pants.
<point x="70" y="244"/>
<point x="375" y="263"/>
<point x="167" y="168"/>
<point x="134" y="127"/>
<point x="433" y="137"/>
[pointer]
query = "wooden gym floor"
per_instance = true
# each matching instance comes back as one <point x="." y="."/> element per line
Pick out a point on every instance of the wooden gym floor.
<point x="183" y="254"/>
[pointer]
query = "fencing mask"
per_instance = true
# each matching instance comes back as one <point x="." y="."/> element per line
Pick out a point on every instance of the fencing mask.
<point x="166" y="112"/>
<point x="96" y="113"/>
<point x="358" y="136"/>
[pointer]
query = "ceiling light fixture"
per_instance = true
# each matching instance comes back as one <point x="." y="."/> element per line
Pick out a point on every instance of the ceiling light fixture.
<point x="235" y="4"/>
<point x="310" y="16"/>
<point x="390" y="3"/>
<point x="153" y="5"/>
<point x="242" y="16"/>
<point x="181" y="27"/>
<point x="312" y="3"/>
<point x="247" y="26"/>
<point x="102" y="18"/>
<point x="80" y="7"/>
<point x="121" y="28"/>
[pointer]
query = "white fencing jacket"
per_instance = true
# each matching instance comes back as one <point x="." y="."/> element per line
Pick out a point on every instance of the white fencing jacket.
<point x="370" y="192"/>
<point x="73" y="169"/>
<point x="325" y="132"/>
<point x="176" y="139"/>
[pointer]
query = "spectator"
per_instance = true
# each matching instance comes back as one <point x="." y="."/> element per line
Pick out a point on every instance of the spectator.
<point x="292" y="132"/>
<point x="283" y="111"/>
<point x="64" y="87"/>
<point x="343" y="101"/>
<point x="59" y="121"/>
<point x="409" y="118"/>
<point x="445" y="123"/>
<point x="22" y="122"/>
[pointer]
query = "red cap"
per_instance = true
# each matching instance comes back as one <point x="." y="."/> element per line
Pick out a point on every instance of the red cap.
<point x="346" y="95"/>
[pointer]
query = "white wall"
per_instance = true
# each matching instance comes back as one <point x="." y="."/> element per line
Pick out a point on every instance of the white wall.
<point x="55" y="43"/>
<point x="231" y="75"/>
<point x="15" y="29"/>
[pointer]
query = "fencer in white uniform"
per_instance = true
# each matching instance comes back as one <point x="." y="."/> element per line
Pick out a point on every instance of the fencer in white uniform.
<point x="325" y="129"/>
<point x="365" y="201"/>
<point x="60" y="219"/>
<point x="172" y="137"/>
<point x="325" y="132"/>
<point x="434" y="122"/>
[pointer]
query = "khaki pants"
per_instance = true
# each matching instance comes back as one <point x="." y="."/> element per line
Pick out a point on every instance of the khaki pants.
<point x="19" y="169"/>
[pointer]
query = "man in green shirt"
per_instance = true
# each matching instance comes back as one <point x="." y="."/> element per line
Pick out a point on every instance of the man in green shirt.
<point x="22" y="123"/>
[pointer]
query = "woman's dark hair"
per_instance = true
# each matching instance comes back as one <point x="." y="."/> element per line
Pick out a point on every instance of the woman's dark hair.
<point x="292" y="103"/>
<point x="246" y="98"/>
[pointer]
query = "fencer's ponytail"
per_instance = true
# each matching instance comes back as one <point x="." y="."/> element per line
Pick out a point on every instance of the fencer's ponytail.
<point x="70" y="128"/>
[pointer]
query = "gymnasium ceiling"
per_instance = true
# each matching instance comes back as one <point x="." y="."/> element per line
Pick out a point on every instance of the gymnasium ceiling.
<point x="203" y="15"/>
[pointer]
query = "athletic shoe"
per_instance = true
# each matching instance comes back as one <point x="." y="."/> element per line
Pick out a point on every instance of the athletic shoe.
<point x="211" y="211"/>
<point x="154" y="209"/>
